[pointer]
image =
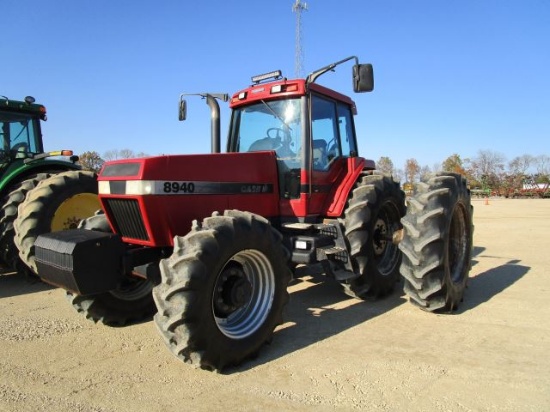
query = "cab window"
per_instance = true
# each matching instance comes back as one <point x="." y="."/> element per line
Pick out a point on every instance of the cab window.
<point x="346" y="128"/>
<point x="324" y="132"/>
<point x="18" y="134"/>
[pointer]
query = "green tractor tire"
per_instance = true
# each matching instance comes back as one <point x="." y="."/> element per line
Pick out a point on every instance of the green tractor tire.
<point x="57" y="203"/>
<point x="8" y="213"/>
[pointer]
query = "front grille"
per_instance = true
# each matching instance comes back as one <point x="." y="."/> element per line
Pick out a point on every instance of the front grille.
<point x="127" y="218"/>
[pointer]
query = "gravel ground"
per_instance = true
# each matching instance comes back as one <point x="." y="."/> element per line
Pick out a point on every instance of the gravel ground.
<point x="333" y="353"/>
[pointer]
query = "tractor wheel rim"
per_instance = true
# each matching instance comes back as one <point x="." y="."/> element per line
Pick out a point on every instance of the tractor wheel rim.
<point x="457" y="249"/>
<point x="73" y="210"/>
<point x="380" y="232"/>
<point x="132" y="289"/>
<point x="385" y="251"/>
<point x="243" y="294"/>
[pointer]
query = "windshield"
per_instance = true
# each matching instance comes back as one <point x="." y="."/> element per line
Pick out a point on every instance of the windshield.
<point x="268" y="125"/>
<point x="18" y="134"/>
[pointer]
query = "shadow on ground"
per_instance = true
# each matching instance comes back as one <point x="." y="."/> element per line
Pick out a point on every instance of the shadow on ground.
<point x="15" y="284"/>
<point x="476" y="251"/>
<point x="490" y="283"/>
<point x="311" y="318"/>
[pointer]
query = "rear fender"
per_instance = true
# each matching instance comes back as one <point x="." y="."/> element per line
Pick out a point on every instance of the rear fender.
<point x="18" y="171"/>
<point x="356" y="167"/>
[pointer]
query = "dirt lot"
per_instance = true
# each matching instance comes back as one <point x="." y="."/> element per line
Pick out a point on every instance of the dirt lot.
<point x="334" y="353"/>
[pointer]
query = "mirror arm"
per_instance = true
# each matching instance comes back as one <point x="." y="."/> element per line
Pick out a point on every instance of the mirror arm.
<point x="214" y="114"/>
<point x="318" y="73"/>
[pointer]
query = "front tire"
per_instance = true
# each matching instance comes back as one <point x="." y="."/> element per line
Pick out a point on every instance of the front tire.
<point x="437" y="244"/>
<point x="373" y="214"/>
<point x="131" y="302"/>
<point x="223" y="290"/>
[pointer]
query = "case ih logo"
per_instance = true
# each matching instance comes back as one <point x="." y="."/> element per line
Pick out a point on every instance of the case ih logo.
<point x="256" y="188"/>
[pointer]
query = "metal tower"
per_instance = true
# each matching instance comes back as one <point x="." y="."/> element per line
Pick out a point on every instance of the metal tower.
<point x="297" y="8"/>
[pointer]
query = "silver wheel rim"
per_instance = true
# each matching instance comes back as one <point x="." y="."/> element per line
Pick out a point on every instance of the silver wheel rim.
<point x="243" y="294"/>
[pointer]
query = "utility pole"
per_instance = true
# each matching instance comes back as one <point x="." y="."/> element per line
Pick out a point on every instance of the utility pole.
<point x="298" y="7"/>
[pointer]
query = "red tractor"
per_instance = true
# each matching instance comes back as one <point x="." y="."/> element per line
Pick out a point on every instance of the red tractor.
<point x="211" y="241"/>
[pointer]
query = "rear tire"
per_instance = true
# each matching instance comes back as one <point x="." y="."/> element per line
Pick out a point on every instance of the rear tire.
<point x="57" y="203"/>
<point x="131" y="302"/>
<point x="374" y="211"/>
<point x="8" y="251"/>
<point x="223" y="290"/>
<point x="437" y="244"/>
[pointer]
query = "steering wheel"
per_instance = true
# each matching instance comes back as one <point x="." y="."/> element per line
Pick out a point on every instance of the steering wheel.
<point x="276" y="133"/>
<point x="332" y="149"/>
<point x="282" y="138"/>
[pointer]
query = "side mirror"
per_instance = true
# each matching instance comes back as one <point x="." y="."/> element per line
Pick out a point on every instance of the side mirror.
<point x="182" y="110"/>
<point x="363" y="78"/>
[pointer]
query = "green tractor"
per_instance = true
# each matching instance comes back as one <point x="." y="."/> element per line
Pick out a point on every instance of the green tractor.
<point x="40" y="191"/>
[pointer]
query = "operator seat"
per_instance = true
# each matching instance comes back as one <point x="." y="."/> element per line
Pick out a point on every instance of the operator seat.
<point x="320" y="158"/>
<point x="19" y="150"/>
<point x="267" y="143"/>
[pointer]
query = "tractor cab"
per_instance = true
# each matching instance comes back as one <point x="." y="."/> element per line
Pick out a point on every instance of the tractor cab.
<point x="20" y="133"/>
<point x="311" y="130"/>
<point x="21" y="142"/>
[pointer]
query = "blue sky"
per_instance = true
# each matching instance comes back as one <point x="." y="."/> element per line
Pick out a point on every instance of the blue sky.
<point x="451" y="76"/>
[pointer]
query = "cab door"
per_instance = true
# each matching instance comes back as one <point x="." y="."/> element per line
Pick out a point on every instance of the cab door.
<point x="333" y="142"/>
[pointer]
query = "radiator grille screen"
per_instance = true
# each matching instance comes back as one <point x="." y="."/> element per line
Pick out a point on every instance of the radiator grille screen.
<point x="127" y="218"/>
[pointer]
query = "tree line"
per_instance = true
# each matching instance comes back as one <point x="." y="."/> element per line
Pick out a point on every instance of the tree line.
<point x="92" y="160"/>
<point x="488" y="172"/>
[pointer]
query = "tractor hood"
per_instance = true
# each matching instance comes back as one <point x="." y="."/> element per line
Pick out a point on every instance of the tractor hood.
<point x="150" y="200"/>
